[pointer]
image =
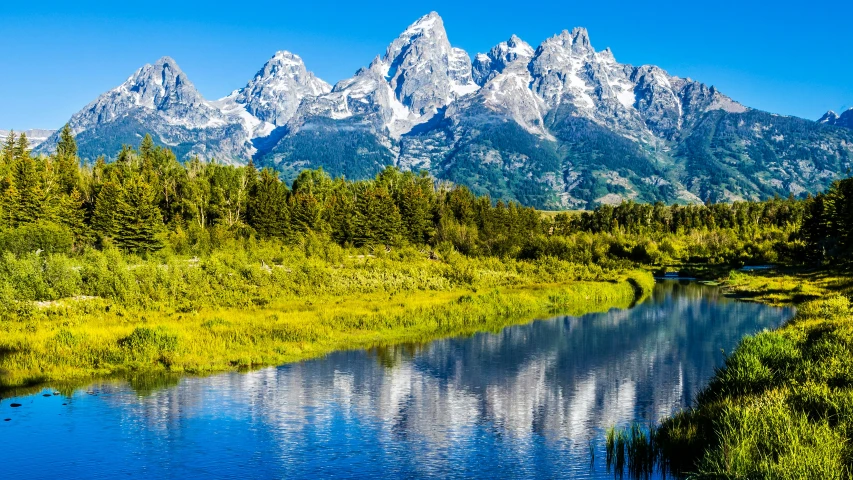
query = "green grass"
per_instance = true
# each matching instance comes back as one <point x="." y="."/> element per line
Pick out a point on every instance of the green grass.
<point x="788" y="286"/>
<point x="781" y="407"/>
<point x="69" y="319"/>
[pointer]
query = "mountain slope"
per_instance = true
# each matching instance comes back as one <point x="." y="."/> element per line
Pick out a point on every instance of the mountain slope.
<point x="562" y="125"/>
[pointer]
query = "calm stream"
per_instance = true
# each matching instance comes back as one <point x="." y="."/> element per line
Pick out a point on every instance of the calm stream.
<point x="525" y="402"/>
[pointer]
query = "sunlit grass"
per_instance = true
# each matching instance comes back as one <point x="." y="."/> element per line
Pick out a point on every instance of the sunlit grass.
<point x="782" y="405"/>
<point x="266" y="307"/>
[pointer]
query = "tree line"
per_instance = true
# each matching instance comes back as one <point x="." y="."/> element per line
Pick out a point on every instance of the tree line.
<point x="147" y="200"/>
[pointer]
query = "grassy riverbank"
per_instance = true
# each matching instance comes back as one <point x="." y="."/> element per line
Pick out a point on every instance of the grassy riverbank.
<point x="782" y="405"/>
<point x="106" y="313"/>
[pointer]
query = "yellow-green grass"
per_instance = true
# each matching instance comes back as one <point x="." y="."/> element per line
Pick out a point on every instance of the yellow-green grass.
<point x="75" y="340"/>
<point x="787" y="286"/>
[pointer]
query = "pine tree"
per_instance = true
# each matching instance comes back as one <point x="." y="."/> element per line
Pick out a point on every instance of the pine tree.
<point x="146" y="148"/>
<point x="67" y="146"/>
<point x="377" y="219"/>
<point x="29" y="202"/>
<point x="339" y="213"/>
<point x="104" y="216"/>
<point x="73" y="216"/>
<point x="8" y="156"/>
<point x="22" y="147"/>
<point x="8" y="203"/>
<point x="416" y="203"/>
<point x="68" y="164"/>
<point x="306" y="213"/>
<point x="138" y="220"/>
<point x="267" y="211"/>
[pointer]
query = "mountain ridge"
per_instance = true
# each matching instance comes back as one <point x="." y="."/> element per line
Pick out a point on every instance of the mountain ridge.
<point x="557" y="126"/>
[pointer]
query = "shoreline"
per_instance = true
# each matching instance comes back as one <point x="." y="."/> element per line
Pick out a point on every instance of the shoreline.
<point x="290" y="330"/>
<point x="778" y="408"/>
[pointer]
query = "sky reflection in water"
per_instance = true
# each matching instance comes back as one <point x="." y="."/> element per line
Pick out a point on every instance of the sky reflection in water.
<point x="525" y="402"/>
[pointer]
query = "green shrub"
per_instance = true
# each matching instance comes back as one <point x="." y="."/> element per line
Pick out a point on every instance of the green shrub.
<point x="40" y="236"/>
<point x="146" y="340"/>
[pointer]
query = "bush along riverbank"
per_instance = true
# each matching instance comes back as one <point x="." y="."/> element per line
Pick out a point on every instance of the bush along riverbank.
<point x="70" y="318"/>
<point x="780" y="407"/>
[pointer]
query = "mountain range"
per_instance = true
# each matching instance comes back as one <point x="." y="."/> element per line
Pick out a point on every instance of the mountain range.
<point x="35" y="137"/>
<point x="561" y="125"/>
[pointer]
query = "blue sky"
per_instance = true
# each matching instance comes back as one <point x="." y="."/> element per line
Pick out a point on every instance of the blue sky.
<point x="793" y="58"/>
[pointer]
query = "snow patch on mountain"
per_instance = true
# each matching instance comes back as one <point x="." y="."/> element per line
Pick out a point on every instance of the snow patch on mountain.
<point x="843" y="120"/>
<point x="419" y="75"/>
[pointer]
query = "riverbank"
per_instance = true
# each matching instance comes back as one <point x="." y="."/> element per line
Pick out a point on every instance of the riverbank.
<point x="782" y="405"/>
<point x="265" y="306"/>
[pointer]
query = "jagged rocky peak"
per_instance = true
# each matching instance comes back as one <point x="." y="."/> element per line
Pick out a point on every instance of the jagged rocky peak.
<point x="419" y="74"/>
<point x="576" y="42"/>
<point x="829" y="117"/>
<point x="560" y="72"/>
<point x="488" y="65"/>
<point x="160" y="89"/>
<point x="606" y="56"/>
<point x="276" y="91"/>
<point x="843" y="120"/>
<point x="423" y="70"/>
<point x="161" y="84"/>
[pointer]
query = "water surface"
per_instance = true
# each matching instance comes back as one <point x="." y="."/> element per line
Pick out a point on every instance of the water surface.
<point x="529" y="401"/>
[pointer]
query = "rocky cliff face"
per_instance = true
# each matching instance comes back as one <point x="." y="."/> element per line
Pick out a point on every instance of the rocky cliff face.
<point x="556" y="126"/>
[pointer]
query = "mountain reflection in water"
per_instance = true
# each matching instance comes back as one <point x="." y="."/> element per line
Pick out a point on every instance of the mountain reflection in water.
<point x="528" y="401"/>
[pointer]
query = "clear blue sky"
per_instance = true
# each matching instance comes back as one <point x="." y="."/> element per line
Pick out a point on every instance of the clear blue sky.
<point x="793" y="58"/>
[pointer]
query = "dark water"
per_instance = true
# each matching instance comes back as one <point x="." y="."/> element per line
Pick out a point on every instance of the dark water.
<point x="525" y="402"/>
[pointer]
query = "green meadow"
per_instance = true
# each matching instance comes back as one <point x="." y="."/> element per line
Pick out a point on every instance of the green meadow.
<point x="107" y="313"/>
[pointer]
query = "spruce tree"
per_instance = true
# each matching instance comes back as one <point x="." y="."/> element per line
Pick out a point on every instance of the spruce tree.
<point x="146" y="148"/>
<point x="73" y="216"/>
<point x="377" y="219"/>
<point x="267" y="211"/>
<point x="8" y="203"/>
<point x="306" y="213"/>
<point x="104" y="215"/>
<point x="138" y="220"/>
<point x="67" y="161"/>
<point x="29" y="200"/>
<point x="8" y="156"/>
<point x="67" y="146"/>
<point x="22" y="147"/>
<point x="415" y="204"/>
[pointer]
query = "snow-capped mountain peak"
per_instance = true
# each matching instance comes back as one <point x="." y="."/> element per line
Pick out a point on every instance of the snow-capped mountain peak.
<point x="278" y="88"/>
<point x="419" y="74"/>
<point x="829" y="117"/>
<point x="161" y="89"/>
<point x="845" y="119"/>
<point x="424" y="71"/>
<point x="488" y="65"/>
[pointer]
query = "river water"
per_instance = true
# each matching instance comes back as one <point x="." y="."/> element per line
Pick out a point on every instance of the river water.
<point x="532" y="401"/>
